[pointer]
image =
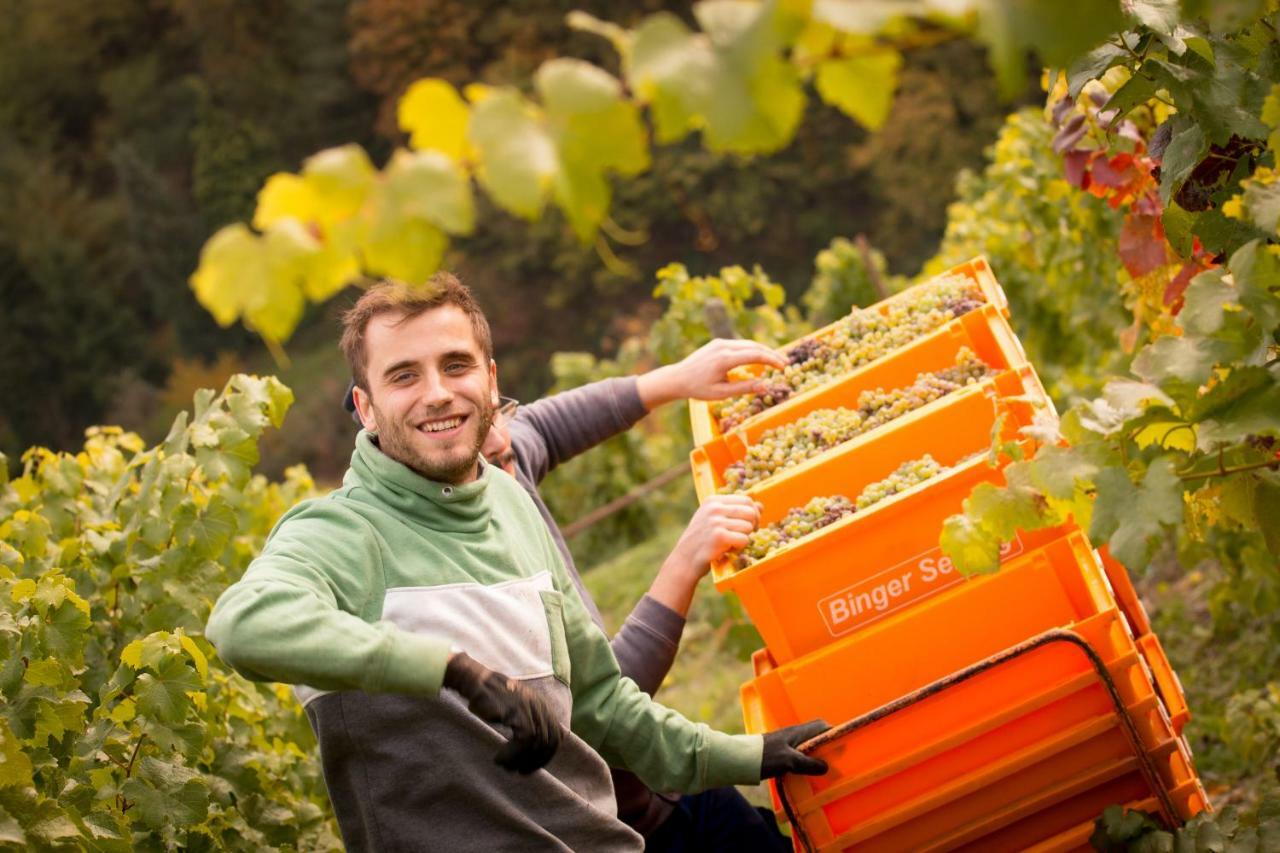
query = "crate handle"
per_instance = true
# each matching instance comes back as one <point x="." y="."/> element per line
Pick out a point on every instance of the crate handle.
<point x="1057" y="635"/>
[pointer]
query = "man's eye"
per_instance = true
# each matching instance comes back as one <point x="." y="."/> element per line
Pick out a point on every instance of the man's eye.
<point x="401" y="378"/>
<point x="457" y="367"/>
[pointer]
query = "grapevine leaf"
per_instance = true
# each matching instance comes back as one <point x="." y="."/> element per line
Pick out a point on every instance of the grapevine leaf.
<point x="402" y="247"/>
<point x="1179" y="225"/>
<point x="428" y="185"/>
<point x="740" y="92"/>
<point x="55" y="719"/>
<point x="1176" y="363"/>
<point x="1138" y="89"/>
<point x="163" y="695"/>
<point x="1205" y="302"/>
<point x="237" y="277"/>
<point x="1267" y="506"/>
<point x="1259" y="201"/>
<point x="197" y="656"/>
<point x="286" y="196"/>
<point x="256" y="397"/>
<point x="1255" y="269"/>
<point x="1226" y="15"/>
<point x="1161" y="16"/>
<point x="1236" y="386"/>
<point x="1255" y="414"/>
<point x="10" y="830"/>
<point x="168" y="793"/>
<point x="861" y="86"/>
<point x="149" y="651"/>
<point x="1221" y="233"/>
<point x="205" y="531"/>
<point x="1143" y="513"/>
<point x="517" y="157"/>
<point x="1005" y="511"/>
<point x="15" y="766"/>
<point x="1115" y="492"/>
<point x="596" y="130"/>
<point x="46" y="673"/>
<point x="861" y="16"/>
<point x="1122" y="400"/>
<point x="1060" y="470"/>
<point x="64" y="632"/>
<point x="342" y="177"/>
<point x="1058" y="32"/>
<point x="971" y="548"/>
<point x="1093" y="65"/>
<point x="435" y="117"/>
<point x="1187" y="147"/>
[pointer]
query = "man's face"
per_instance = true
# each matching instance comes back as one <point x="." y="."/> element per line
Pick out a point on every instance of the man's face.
<point x="432" y="393"/>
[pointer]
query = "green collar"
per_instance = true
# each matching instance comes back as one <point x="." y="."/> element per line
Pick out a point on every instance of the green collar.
<point x="441" y="506"/>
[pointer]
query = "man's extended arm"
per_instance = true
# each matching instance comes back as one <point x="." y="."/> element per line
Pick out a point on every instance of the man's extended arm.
<point x="292" y="616"/>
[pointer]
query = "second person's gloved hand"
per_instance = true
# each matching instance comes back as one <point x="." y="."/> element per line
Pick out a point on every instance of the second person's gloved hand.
<point x="781" y="755"/>
<point x="495" y="698"/>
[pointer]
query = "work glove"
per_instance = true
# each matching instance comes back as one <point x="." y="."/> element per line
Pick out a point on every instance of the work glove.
<point x="495" y="698"/>
<point x="781" y="755"/>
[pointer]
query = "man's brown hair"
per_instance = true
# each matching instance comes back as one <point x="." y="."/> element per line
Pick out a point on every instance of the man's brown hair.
<point x="395" y="297"/>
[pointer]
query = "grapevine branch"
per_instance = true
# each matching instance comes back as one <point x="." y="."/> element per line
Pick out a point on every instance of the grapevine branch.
<point x="1222" y="471"/>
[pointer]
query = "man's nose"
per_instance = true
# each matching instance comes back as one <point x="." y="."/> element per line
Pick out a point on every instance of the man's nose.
<point x="435" y="390"/>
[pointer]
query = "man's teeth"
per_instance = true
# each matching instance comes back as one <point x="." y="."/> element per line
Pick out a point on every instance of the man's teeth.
<point x="441" y="426"/>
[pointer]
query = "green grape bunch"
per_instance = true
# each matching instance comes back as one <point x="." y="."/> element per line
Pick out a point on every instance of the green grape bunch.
<point x="817" y="432"/>
<point x="863" y="336"/>
<point x="821" y="512"/>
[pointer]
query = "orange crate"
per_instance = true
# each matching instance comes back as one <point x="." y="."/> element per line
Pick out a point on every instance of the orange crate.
<point x="1126" y="595"/>
<point x="1167" y="684"/>
<point x="1020" y="387"/>
<point x="983" y="330"/>
<point x="1031" y="735"/>
<point x="875" y="563"/>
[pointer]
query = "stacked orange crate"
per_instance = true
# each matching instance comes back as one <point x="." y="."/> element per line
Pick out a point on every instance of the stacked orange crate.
<point x="949" y="732"/>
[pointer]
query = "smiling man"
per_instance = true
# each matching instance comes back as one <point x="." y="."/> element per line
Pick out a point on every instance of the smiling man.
<point x="461" y="695"/>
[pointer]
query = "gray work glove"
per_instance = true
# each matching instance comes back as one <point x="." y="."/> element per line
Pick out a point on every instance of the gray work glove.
<point x="495" y="698"/>
<point x="781" y="755"/>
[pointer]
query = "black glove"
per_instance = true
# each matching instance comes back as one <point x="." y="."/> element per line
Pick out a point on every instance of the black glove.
<point x="781" y="755"/>
<point x="495" y="698"/>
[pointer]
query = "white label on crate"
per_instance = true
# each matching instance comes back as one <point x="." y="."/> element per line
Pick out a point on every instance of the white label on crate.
<point x="884" y="593"/>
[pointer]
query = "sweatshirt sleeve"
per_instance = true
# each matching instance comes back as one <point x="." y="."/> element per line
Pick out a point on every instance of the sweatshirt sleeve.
<point x="630" y="730"/>
<point x="553" y="430"/>
<point x="294" y="615"/>
<point x="646" y="644"/>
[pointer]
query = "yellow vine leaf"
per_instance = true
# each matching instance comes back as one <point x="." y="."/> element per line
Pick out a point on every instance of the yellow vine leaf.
<point x="197" y="656"/>
<point x="862" y="86"/>
<point x="435" y="117"/>
<point x="284" y="196"/>
<point x="22" y="590"/>
<point x="518" y="160"/>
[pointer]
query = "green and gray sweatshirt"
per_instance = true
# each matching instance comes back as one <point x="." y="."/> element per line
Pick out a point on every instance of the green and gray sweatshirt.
<point x="360" y="597"/>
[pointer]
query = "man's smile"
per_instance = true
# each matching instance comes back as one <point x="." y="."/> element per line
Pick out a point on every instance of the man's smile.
<point x="445" y="427"/>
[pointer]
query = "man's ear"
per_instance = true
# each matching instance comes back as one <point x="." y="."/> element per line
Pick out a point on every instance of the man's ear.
<point x="493" y="383"/>
<point x="364" y="408"/>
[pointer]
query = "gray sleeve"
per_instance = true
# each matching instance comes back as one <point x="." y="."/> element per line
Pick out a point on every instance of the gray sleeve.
<point x="646" y="644"/>
<point x="553" y="430"/>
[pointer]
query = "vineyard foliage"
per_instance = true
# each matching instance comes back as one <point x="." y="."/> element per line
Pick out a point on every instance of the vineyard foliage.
<point x="119" y="728"/>
<point x="739" y="80"/>
<point x="1181" y="454"/>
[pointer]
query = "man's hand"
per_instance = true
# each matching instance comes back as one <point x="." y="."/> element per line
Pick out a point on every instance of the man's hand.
<point x="781" y="755"/>
<point x="495" y="698"/>
<point x="703" y="374"/>
<point x="720" y="525"/>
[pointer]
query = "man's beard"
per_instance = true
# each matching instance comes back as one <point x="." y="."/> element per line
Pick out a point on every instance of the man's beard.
<point x="393" y="440"/>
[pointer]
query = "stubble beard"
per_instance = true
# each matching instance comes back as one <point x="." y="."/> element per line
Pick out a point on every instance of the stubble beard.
<point x="394" y="441"/>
